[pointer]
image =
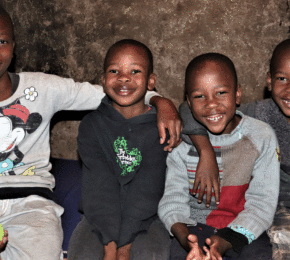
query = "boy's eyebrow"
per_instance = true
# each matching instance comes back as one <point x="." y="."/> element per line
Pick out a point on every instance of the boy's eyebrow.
<point x="201" y="88"/>
<point x="280" y="72"/>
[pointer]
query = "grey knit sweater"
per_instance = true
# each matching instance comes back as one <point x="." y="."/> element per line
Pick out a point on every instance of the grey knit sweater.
<point x="249" y="173"/>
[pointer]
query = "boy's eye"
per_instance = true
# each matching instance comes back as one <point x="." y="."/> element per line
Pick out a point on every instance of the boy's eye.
<point x="281" y="78"/>
<point x="3" y="42"/>
<point x="198" y="96"/>
<point x="113" y="71"/>
<point x="221" y="93"/>
<point x="136" y="71"/>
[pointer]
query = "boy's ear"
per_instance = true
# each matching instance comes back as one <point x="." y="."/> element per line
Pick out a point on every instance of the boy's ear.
<point x="103" y="80"/>
<point x="269" y="81"/>
<point x="188" y="102"/>
<point x="238" y="95"/>
<point x="151" y="81"/>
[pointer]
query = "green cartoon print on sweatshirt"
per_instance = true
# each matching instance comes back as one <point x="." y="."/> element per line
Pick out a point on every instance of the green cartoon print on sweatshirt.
<point x="126" y="159"/>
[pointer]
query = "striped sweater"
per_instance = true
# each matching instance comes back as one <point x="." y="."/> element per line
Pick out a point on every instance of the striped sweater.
<point x="249" y="174"/>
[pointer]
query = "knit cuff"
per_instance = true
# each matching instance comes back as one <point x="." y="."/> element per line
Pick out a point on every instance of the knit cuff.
<point x="237" y="240"/>
<point x="249" y="235"/>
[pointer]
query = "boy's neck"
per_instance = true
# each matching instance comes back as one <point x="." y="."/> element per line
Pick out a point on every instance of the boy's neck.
<point x="5" y="87"/>
<point x="131" y="111"/>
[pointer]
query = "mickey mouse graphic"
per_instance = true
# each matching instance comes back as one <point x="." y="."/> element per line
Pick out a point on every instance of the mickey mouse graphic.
<point x="15" y="123"/>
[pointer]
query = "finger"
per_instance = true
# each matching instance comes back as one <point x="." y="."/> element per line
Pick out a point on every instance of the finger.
<point x="173" y="135"/>
<point x="208" y="242"/>
<point x="178" y="130"/>
<point x="216" y="188"/>
<point x="207" y="252"/>
<point x="192" y="239"/>
<point x="208" y="195"/>
<point x="201" y="193"/>
<point x="195" y="187"/>
<point x="162" y="132"/>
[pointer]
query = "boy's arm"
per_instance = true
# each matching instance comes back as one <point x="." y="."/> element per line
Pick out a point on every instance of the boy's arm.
<point x="100" y="187"/>
<point x="207" y="172"/>
<point x="261" y="196"/>
<point x="174" y="206"/>
<point x="181" y="232"/>
<point x="167" y="118"/>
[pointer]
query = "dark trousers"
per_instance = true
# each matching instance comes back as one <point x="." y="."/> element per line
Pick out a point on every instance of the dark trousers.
<point x="259" y="249"/>
<point x="152" y="245"/>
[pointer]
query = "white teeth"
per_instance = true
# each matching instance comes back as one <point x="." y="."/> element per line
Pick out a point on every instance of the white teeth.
<point x="214" y="118"/>
<point x="286" y="101"/>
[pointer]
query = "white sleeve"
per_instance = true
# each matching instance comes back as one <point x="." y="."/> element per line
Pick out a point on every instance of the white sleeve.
<point x="149" y="95"/>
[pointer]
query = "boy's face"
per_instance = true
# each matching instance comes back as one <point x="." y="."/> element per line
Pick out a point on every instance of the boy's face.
<point x="279" y="83"/>
<point x="126" y="78"/>
<point x="213" y="97"/>
<point x="6" y="46"/>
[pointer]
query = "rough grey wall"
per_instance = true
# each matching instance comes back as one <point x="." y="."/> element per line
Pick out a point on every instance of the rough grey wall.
<point x="70" y="38"/>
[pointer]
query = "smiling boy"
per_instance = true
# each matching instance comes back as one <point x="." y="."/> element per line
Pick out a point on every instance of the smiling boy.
<point x="123" y="165"/>
<point x="246" y="152"/>
<point x="28" y="101"/>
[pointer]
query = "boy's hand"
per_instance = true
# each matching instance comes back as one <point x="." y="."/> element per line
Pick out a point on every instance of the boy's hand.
<point x="110" y="251"/>
<point x="218" y="246"/>
<point x="123" y="252"/>
<point x="167" y="117"/>
<point x="207" y="171"/>
<point x="4" y="241"/>
<point x="195" y="252"/>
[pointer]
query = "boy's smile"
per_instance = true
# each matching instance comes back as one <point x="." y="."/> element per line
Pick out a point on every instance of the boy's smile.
<point x="279" y="83"/>
<point x="213" y="97"/>
<point x="126" y="78"/>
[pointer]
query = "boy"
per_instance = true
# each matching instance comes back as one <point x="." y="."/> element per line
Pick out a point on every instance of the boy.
<point x="27" y="103"/>
<point x="276" y="112"/>
<point x="246" y="151"/>
<point x="123" y="165"/>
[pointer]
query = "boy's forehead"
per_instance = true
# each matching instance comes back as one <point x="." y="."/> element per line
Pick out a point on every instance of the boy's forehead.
<point x="133" y="52"/>
<point x="5" y="25"/>
<point x="210" y="68"/>
<point x="209" y="71"/>
<point x="130" y="50"/>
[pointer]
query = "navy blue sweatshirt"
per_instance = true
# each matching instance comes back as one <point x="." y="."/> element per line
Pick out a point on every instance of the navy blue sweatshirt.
<point x="123" y="172"/>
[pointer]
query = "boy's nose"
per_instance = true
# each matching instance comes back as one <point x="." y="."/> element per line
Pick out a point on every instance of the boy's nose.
<point x="211" y="103"/>
<point x="124" y="77"/>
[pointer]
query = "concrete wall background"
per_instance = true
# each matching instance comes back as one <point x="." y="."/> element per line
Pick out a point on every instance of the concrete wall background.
<point x="70" y="38"/>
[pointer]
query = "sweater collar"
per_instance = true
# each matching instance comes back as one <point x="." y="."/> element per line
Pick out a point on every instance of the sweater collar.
<point x="234" y="135"/>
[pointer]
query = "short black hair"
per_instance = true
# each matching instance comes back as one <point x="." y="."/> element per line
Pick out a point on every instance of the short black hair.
<point x="133" y="43"/>
<point x="215" y="57"/>
<point x="6" y="17"/>
<point x="281" y="47"/>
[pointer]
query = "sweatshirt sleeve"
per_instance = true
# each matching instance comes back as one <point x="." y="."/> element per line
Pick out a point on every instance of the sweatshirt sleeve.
<point x="262" y="195"/>
<point x="174" y="206"/>
<point x="144" y="192"/>
<point x="190" y="125"/>
<point x="100" y="187"/>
